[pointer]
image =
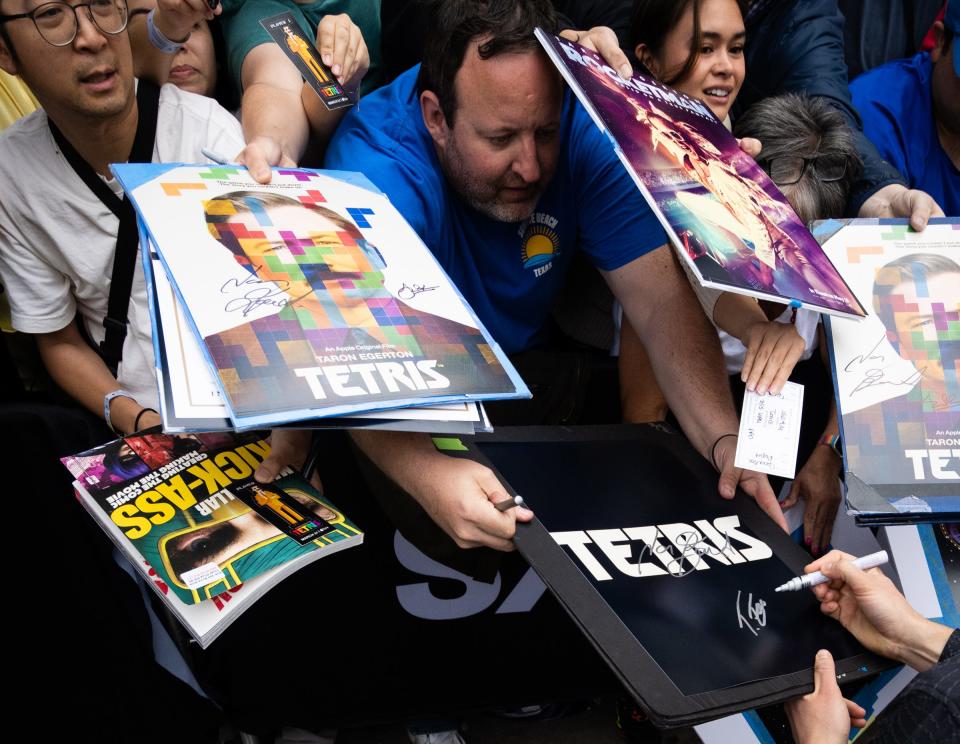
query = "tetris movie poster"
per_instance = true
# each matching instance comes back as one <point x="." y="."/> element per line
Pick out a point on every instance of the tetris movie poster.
<point x="187" y="507"/>
<point x="311" y="294"/>
<point x="897" y="373"/>
<point x="725" y="217"/>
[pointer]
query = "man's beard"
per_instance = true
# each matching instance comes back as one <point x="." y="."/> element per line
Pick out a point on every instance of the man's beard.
<point x="483" y="196"/>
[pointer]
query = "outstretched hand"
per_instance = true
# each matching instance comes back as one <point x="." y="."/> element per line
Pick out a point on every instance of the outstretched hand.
<point x="260" y="155"/>
<point x="175" y="19"/>
<point x="459" y="495"/>
<point x="773" y="349"/>
<point x="868" y="605"/>
<point x="818" y="484"/>
<point x="895" y="200"/>
<point x="753" y="483"/>
<point x="342" y="49"/>
<point x="603" y="41"/>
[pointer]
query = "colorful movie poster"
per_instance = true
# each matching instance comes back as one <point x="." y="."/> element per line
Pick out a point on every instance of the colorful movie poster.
<point x="898" y="371"/>
<point x="723" y="214"/>
<point x="188" y="507"/>
<point x="312" y="295"/>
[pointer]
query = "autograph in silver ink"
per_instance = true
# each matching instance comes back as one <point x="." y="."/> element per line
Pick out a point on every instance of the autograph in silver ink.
<point x="756" y="614"/>
<point x="871" y="365"/>
<point x="409" y="291"/>
<point x="691" y="545"/>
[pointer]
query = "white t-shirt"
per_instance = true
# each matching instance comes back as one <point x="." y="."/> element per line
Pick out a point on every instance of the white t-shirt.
<point x="57" y="239"/>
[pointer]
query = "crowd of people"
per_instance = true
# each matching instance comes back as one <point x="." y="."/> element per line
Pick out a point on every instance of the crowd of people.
<point x="474" y="143"/>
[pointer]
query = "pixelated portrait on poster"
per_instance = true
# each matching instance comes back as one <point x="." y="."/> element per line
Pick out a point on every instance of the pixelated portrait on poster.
<point x="898" y="371"/>
<point x="312" y="294"/>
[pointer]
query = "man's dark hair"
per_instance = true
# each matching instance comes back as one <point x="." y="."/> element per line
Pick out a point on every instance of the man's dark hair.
<point x="506" y="25"/>
<point x="792" y="124"/>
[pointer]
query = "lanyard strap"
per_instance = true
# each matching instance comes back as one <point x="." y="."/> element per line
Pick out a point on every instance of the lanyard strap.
<point x="125" y="255"/>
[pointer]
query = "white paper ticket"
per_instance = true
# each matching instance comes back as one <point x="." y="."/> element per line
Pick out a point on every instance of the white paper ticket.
<point x="770" y="431"/>
<point x="202" y="575"/>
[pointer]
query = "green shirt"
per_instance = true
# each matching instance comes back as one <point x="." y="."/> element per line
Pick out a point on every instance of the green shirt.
<point x="243" y="32"/>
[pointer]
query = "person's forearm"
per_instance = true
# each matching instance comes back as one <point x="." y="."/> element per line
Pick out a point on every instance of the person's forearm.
<point x="276" y="113"/>
<point x="925" y="644"/>
<point x="688" y="364"/>
<point x="683" y="346"/>
<point x="77" y="369"/>
<point x="323" y="123"/>
<point x="399" y="455"/>
<point x="149" y="63"/>
<point x="735" y="313"/>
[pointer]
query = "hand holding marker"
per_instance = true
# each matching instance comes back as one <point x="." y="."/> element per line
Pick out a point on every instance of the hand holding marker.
<point x="813" y="579"/>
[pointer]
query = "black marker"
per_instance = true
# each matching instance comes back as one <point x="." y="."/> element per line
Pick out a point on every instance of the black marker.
<point x="509" y="503"/>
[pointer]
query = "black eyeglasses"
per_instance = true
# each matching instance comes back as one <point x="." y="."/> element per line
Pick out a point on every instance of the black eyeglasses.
<point x="57" y="22"/>
<point x="789" y="169"/>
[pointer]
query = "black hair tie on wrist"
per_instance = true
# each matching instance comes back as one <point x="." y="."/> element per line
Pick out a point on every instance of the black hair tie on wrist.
<point x="136" y="421"/>
<point x="713" y="449"/>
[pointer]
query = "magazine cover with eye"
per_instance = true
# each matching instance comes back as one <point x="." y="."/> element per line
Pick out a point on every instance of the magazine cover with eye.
<point x="725" y="218"/>
<point x="311" y="295"/>
<point x="897" y="372"/>
<point x="187" y="513"/>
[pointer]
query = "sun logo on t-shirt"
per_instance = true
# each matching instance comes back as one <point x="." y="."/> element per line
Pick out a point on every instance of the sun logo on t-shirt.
<point x="540" y="244"/>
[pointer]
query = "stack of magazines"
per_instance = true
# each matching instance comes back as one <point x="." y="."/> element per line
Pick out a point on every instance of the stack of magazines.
<point x="208" y="539"/>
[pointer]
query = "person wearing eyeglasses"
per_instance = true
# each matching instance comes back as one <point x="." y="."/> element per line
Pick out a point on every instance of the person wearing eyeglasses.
<point x="58" y="237"/>
<point x="810" y="154"/>
<point x="911" y="112"/>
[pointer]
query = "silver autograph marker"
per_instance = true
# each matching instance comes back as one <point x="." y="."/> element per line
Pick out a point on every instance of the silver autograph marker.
<point x="814" y="579"/>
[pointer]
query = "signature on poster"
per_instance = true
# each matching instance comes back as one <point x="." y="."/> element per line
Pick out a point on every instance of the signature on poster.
<point x="871" y="366"/>
<point x="691" y="545"/>
<point x="756" y="613"/>
<point x="409" y="291"/>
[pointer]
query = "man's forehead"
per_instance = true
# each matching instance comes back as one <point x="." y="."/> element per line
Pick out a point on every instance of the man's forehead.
<point x="514" y="88"/>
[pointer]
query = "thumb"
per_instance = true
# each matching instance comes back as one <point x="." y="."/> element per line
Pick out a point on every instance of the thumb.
<point x="729" y="477"/>
<point x="258" y="167"/>
<point x="824" y="673"/>
<point x="269" y="468"/>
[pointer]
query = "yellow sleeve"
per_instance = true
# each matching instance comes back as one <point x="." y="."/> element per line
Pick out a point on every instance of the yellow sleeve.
<point x="16" y="100"/>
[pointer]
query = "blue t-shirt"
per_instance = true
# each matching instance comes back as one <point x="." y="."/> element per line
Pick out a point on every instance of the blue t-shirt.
<point x="509" y="272"/>
<point x="895" y="103"/>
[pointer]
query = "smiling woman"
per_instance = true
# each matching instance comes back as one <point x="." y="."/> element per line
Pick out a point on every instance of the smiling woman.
<point x="696" y="46"/>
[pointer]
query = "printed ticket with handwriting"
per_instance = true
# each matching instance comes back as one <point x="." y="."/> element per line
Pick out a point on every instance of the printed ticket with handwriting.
<point x="770" y="431"/>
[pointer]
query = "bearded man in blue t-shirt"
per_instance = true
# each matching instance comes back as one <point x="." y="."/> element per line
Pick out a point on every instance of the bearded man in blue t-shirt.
<point x="504" y="176"/>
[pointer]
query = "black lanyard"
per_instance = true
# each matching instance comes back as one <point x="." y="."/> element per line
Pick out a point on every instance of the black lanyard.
<point x="125" y="256"/>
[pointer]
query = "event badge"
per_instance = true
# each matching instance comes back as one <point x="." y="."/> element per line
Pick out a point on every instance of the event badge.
<point x="770" y="431"/>
<point x="288" y="35"/>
